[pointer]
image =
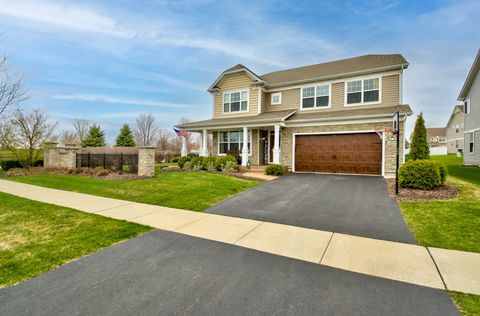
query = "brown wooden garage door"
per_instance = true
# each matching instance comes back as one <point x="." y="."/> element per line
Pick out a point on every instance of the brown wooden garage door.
<point x="339" y="153"/>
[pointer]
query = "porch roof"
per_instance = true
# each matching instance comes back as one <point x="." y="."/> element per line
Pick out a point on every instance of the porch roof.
<point x="287" y="117"/>
<point x="267" y="118"/>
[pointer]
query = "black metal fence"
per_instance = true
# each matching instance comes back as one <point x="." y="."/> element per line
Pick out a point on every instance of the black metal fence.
<point x="117" y="162"/>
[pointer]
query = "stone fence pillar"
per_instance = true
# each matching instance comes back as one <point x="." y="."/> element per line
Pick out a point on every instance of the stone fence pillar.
<point x="146" y="161"/>
<point x="60" y="157"/>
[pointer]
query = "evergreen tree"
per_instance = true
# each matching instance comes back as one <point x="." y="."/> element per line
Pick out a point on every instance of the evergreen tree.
<point x="125" y="138"/>
<point x="419" y="146"/>
<point x="94" y="138"/>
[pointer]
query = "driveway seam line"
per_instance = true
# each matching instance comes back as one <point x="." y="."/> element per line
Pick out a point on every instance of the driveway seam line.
<point x="436" y="267"/>
<point x="325" y="251"/>
<point x="235" y="242"/>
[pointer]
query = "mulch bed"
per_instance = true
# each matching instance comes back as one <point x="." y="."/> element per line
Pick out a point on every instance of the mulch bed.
<point x="443" y="192"/>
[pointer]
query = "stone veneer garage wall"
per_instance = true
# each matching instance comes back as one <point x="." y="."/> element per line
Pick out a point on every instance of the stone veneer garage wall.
<point x="390" y="141"/>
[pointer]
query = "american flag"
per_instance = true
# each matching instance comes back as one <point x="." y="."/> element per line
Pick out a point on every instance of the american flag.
<point x="180" y="132"/>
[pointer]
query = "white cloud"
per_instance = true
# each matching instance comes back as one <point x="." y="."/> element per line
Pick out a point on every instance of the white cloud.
<point x="116" y="100"/>
<point x="63" y="15"/>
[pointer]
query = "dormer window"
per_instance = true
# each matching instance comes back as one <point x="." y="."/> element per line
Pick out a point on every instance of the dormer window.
<point x="363" y="91"/>
<point x="235" y="102"/>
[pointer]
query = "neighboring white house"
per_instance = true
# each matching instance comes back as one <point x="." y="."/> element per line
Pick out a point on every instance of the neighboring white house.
<point x="470" y="95"/>
<point x="454" y="128"/>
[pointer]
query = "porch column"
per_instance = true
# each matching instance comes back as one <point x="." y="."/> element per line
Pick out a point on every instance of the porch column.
<point x="204" y="151"/>
<point x="184" y="146"/>
<point x="276" y="145"/>
<point x="245" y="147"/>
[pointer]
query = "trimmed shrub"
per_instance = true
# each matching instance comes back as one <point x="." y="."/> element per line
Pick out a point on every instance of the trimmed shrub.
<point x="210" y="166"/>
<point x="275" y="170"/>
<point x="183" y="160"/>
<point x="10" y="164"/>
<point x="230" y="166"/>
<point x="197" y="161"/>
<point x="221" y="161"/>
<point x="207" y="161"/>
<point x="420" y="174"/>
<point x="443" y="171"/>
<point x="175" y="159"/>
<point x="187" y="165"/>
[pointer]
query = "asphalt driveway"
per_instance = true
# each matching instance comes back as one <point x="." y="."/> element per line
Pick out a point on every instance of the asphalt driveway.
<point x="167" y="273"/>
<point x="356" y="205"/>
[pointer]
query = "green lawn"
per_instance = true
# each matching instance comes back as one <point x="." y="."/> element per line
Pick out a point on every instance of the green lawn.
<point x="186" y="190"/>
<point x="36" y="237"/>
<point x="453" y="224"/>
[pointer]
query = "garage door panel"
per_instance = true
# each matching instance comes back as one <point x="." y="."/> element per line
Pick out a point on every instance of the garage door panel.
<point x="339" y="153"/>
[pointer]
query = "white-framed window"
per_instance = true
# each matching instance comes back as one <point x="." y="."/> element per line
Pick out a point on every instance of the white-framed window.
<point x="457" y="128"/>
<point x="233" y="141"/>
<point x="471" y="142"/>
<point x="316" y="97"/>
<point x="466" y="106"/>
<point x="276" y="98"/>
<point x="363" y="91"/>
<point x="235" y="101"/>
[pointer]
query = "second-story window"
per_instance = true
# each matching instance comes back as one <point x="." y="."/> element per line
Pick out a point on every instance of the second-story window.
<point x="235" y="102"/>
<point x="316" y="97"/>
<point x="276" y="98"/>
<point x="363" y="91"/>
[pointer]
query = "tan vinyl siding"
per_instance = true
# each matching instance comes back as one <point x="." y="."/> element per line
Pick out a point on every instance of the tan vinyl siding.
<point x="238" y="81"/>
<point x="290" y="100"/>
<point x="291" y="97"/>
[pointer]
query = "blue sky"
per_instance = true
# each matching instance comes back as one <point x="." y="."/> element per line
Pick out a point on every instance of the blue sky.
<point x="108" y="61"/>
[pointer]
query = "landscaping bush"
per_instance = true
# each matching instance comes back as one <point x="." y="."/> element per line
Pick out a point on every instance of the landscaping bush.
<point x="187" y="165"/>
<point x="221" y="161"/>
<point x="275" y="170"/>
<point x="9" y="164"/>
<point x="183" y="160"/>
<point x="230" y="166"/>
<point x="208" y="161"/>
<point x="421" y="174"/>
<point x="210" y="166"/>
<point x="197" y="163"/>
<point x="175" y="159"/>
<point x="443" y="171"/>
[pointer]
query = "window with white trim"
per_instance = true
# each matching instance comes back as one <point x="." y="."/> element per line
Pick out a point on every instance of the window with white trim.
<point x="466" y="106"/>
<point x="232" y="141"/>
<point x="316" y="97"/>
<point x="235" y="102"/>
<point x="276" y="98"/>
<point x="363" y="91"/>
<point x="471" y="143"/>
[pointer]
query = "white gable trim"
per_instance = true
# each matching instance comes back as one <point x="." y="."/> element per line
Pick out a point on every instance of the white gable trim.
<point x="248" y="72"/>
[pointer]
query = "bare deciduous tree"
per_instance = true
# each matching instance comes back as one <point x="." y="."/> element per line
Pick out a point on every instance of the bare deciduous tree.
<point x="69" y="138"/>
<point x="145" y="130"/>
<point x="24" y="134"/>
<point x="81" y="127"/>
<point x="11" y="88"/>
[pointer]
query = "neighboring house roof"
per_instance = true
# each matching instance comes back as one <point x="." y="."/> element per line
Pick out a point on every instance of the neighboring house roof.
<point x="267" y="117"/>
<point x="329" y="70"/>
<point x="436" y="131"/>
<point x="456" y="109"/>
<point x="336" y="69"/>
<point x="291" y="116"/>
<point x="472" y="74"/>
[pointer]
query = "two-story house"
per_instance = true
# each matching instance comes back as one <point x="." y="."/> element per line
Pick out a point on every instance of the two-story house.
<point x="470" y="96"/>
<point x="454" y="130"/>
<point x="333" y="117"/>
<point x="437" y="136"/>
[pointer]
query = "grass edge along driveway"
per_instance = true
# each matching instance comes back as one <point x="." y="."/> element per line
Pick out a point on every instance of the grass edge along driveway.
<point x="37" y="237"/>
<point x="193" y="191"/>
<point x="453" y="224"/>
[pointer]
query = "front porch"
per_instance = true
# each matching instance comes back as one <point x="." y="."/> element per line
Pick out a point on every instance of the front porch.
<point x="254" y="146"/>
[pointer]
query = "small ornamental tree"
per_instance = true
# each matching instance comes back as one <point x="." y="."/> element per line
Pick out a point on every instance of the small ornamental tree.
<point x="95" y="137"/>
<point x="125" y="138"/>
<point x="419" y="146"/>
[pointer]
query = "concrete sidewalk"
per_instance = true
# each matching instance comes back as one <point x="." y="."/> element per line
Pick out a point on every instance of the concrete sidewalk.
<point x="431" y="267"/>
